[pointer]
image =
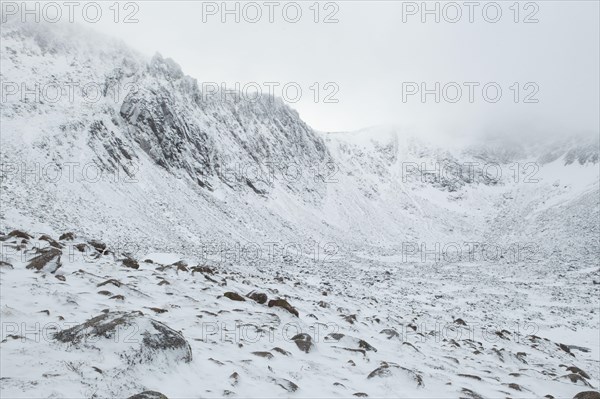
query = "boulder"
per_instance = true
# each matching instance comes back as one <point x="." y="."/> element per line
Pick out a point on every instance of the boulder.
<point x="233" y="296"/>
<point x="98" y="245"/>
<point x="303" y="342"/>
<point x="5" y="265"/>
<point x="576" y="379"/>
<point x="180" y="266"/>
<point x="282" y="303"/>
<point x="390" y="332"/>
<point x="350" y="342"/>
<point x="282" y="351"/>
<point x="388" y="369"/>
<point x="266" y="355"/>
<point x="148" y="395"/>
<point x="67" y="236"/>
<point x="130" y="336"/>
<point x="577" y="370"/>
<point x="130" y="263"/>
<point x="19" y="234"/>
<point x="48" y="259"/>
<point x="50" y="240"/>
<point x="587" y="395"/>
<point x="285" y="384"/>
<point x="202" y="269"/>
<point x="258" y="297"/>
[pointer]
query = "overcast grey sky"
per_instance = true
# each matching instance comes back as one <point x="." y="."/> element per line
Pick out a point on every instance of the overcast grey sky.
<point x="377" y="48"/>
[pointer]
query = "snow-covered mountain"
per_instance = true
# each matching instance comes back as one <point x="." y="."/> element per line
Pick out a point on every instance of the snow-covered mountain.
<point x="207" y="163"/>
<point x="133" y="154"/>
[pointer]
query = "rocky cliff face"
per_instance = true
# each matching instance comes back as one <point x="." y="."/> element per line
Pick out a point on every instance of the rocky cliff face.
<point x="182" y="131"/>
<point x="134" y="106"/>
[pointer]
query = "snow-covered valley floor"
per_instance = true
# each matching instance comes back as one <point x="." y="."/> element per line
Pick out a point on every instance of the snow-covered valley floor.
<point x="376" y="328"/>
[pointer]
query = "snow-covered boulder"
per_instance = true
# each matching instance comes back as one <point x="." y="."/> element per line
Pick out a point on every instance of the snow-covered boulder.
<point x="132" y="336"/>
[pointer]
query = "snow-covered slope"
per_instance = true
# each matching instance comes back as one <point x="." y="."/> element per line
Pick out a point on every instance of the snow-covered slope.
<point x="342" y="225"/>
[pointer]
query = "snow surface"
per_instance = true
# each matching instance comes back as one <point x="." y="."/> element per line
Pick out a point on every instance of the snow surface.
<point x="351" y="213"/>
